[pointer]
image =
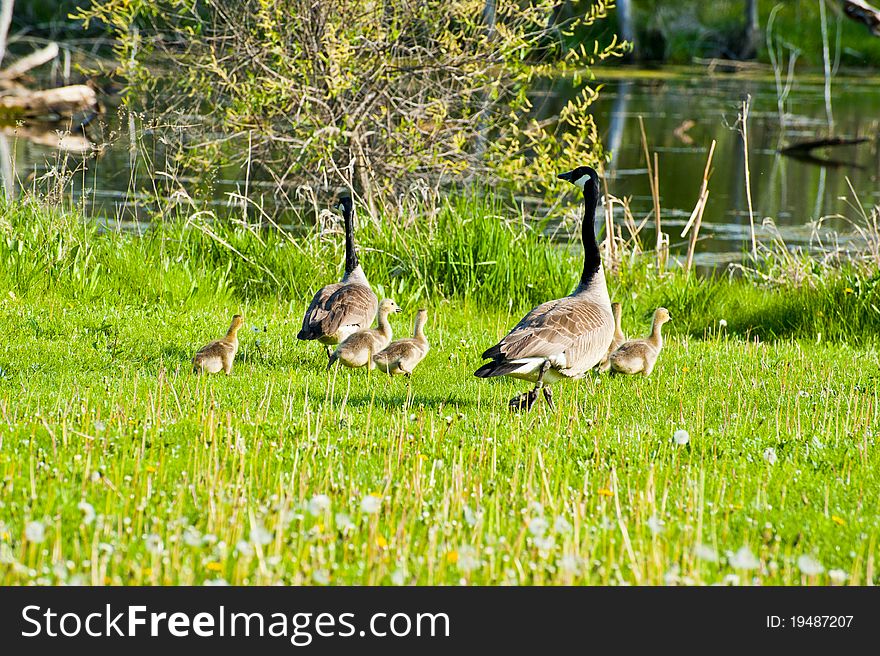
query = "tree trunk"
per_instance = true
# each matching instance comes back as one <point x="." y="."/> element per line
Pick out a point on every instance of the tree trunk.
<point x="625" y="20"/>
<point x="752" y="32"/>
<point x="5" y="21"/>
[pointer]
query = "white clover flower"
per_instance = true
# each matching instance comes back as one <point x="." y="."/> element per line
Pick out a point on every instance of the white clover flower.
<point x="655" y="524"/>
<point x="707" y="553"/>
<point x="343" y="522"/>
<point x="318" y="505"/>
<point x="35" y="532"/>
<point x="260" y="535"/>
<point x="561" y="525"/>
<point x="837" y="576"/>
<point x="468" y="560"/>
<point x="681" y="437"/>
<point x="371" y="504"/>
<point x="538" y="526"/>
<point x="743" y="559"/>
<point x="153" y="543"/>
<point x="809" y="566"/>
<point x="770" y="455"/>
<point x="88" y="511"/>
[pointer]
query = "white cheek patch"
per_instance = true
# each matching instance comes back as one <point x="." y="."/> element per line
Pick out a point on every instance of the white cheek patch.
<point x="580" y="182"/>
<point x="340" y="207"/>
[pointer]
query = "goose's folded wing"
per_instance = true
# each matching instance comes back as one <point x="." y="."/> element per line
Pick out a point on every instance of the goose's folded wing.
<point x="569" y="326"/>
<point x="350" y="305"/>
<point x="316" y="311"/>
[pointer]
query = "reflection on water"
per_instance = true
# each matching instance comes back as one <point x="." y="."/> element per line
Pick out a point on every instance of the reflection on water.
<point x="682" y="115"/>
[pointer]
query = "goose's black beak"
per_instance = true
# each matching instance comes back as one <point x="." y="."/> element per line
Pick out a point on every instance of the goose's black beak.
<point x="565" y="176"/>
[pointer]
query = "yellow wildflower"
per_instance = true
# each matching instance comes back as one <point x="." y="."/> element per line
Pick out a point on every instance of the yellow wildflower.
<point x="840" y="521"/>
<point x="605" y="492"/>
<point x="452" y="557"/>
<point x="214" y="567"/>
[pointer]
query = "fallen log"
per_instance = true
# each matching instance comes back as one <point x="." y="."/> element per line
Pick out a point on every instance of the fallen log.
<point x="26" y="63"/>
<point x="805" y="147"/>
<point x="52" y="136"/>
<point x="49" y="103"/>
<point x="863" y="13"/>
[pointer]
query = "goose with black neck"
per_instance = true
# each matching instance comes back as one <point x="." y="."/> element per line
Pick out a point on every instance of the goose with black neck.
<point x="341" y="309"/>
<point x="563" y="338"/>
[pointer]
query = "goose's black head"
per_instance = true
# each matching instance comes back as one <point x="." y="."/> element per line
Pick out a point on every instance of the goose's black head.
<point x="581" y="176"/>
<point x="344" y="204"/>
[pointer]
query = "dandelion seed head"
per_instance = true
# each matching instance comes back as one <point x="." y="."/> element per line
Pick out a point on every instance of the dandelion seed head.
<point x="538" y="526"/>
<point x="770" y="455"/>
<point x="260" y="535"/>
<point x="707" y="553"/>
<point x="318" y="505"/>
<point x="561" y="525"/>
<point x="655" y="524"/>
<point x="343" y="522"/>
<point x="35" y="532"/>
<point x="371" y="504"/>
<point x="88" y="511"/>
<point x="809" y="566"/>
<point x="743" y="559"/>
<point x="153" y="543"/>
<point x="837" y="576"/>
<point x="681" y="437"/>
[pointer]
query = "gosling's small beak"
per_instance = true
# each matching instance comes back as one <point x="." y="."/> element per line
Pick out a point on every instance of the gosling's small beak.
<point x="399" y="309"/>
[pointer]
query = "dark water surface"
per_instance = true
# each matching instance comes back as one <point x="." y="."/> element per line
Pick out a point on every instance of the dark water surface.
<point x="117" y="183"/>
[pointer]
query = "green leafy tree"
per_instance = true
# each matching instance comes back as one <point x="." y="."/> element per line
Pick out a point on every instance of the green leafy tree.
<point x="369" y="94"/>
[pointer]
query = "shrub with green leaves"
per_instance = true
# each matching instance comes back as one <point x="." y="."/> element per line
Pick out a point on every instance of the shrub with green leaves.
<point x="370" y="95"/>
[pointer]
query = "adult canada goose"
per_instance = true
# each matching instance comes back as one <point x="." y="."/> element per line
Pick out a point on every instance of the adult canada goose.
<point x="638" y="356"/>
<point x="566" y="337"/>
<point x="619" y="338"/>
<point x="345" y="307"/>
<point x="402" y="356"/>
<point x="219" y="354"/>
<point x="357" y="349"/>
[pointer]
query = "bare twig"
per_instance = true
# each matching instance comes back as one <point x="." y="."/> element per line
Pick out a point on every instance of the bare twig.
<point x="697" y="215"/>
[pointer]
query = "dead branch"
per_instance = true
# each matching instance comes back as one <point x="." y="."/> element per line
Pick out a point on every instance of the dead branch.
<point x="26" y="63"/>
<point x="862" y="12"/>
<point x="60" y="102"/>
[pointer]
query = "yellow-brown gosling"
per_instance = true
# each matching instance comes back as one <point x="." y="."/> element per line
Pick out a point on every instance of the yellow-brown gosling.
<point x="619" y="338"/>
<point x="638" y="356"/>
<point x="402" y="356"/>
<point x="357" y="350"/>
<point x="219" y="354"/>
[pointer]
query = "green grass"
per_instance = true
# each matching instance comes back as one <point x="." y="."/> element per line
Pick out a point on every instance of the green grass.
<point x="204" y="479"/>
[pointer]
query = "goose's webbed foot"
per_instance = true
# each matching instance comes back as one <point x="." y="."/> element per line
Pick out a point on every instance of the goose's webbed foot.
<point x="524" y="401"/>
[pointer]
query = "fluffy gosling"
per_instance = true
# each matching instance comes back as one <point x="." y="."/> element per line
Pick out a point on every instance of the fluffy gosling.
<point x="638" y="356"/>
<point x="618" y="339"/>
<point x="357" y="349"/>
<point x="402" y="356"/>
<point x="219" y="354"/>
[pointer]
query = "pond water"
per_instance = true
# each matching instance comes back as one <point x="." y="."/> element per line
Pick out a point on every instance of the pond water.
<point x="682" y="114"/>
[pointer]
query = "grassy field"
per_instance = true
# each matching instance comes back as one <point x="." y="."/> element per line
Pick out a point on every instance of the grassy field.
<point x="117" y="466"/>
